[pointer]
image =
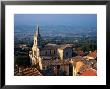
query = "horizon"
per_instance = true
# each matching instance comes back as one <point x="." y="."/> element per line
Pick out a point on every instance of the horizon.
<point x="74" y="20"/>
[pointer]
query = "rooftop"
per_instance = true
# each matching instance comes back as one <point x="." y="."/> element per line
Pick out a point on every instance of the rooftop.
<point x="27" y="72"/>
<point x="65" y="46"/>
<point x="55" y="46"/>
<point x="89" y="72"/>
<point x="93" y="54"/>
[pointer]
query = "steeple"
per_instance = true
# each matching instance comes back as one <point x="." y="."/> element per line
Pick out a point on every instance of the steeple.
<point x="37" y="37"/>
<point x="37" y="32"/>
<point x="36" y="47"/>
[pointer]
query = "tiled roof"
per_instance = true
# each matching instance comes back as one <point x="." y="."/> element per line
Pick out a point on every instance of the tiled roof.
<point x="89" y="72"/>
<point x="55" y="62"/>
<point x="93" y="54"/>
<point x="81" y="53"/>
<point x="55" y="46"/>
<point x="28" y="72"/>
<point x="48" y="47"/>
<point x="65" y="46"/>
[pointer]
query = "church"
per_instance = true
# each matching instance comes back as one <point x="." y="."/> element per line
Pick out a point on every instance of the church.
<point x="41" y="53"/>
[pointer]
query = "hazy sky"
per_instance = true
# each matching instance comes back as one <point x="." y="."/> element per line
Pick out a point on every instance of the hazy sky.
<point x="89" y="20"/>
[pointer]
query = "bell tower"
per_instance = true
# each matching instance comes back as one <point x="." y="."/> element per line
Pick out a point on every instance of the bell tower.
<point x="35" y="53"/>
<point x="36" y="47"/>
<point x="37" y="38"/>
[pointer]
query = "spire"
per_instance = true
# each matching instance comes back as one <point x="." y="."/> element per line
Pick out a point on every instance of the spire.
<point x="37" y="37"/>
<point x="37" y="32"/>
<point x="37" y="29"/>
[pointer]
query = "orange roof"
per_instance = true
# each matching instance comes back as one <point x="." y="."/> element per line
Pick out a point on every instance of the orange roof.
<point x="65" y="46"/>
<point x="89" y="72"/>
<point x="93" y="54"/>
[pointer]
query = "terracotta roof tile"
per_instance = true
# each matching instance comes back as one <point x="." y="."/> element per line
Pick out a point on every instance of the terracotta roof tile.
<point x="93" y="54"/>
<point x="89" y="72"/>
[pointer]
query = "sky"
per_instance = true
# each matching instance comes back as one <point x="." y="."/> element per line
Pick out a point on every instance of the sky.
<point x="76" y="20"/>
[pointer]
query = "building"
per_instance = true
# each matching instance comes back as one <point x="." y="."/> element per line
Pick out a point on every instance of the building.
<point x="41" y="53"/>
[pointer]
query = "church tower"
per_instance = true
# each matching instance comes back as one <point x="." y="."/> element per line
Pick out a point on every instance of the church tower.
<point x="37" y="38"/>
<point x="35" y="57"/>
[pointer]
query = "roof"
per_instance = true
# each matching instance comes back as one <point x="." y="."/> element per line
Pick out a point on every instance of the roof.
<point x="28" y="72"/>
<point x="55" y="62"/>
<point x="48" y="47"/>
<point x="65" y="46"/>
<point x="89" y="72"/>
<point x="93" y="54"/>
<point x="77" y="58"/>
<point x="55" y="46"/>
<point x="81" y="53"/>
<point x="49" y="57"/>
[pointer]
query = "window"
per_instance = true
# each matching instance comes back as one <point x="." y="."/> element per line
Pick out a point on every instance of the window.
<point x="66" y="54"/>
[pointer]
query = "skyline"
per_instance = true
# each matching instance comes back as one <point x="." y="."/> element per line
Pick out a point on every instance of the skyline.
<point x="76" y="20"/>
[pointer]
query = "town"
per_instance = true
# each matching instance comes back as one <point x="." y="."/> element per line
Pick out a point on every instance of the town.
<point x="44" y="58"/>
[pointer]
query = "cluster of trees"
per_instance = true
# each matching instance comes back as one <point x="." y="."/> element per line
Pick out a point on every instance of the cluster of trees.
<point x="86" y="45"/>
<point x="21" y="60"/>
<point x="21" y="56"/>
